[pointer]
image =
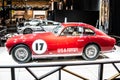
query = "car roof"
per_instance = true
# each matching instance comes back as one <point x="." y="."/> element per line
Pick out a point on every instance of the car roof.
<point x="76" y="24"/>
<point x="85" y="25"/>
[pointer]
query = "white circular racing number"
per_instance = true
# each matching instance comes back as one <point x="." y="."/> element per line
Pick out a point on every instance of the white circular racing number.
<point x="39" y="46"/>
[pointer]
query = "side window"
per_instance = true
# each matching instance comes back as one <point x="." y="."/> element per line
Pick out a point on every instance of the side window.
<point x="72" y="31"/>
<point x="67" y="31"/>
<point x="50" y="23"/>
<point x="35" y="21"/>
<point x="39" y="24"/>
<point x="78" y="31"/>
<point x="47" y="23"/>
<point x="44" y="23"/>
<point x="88" y="31"/>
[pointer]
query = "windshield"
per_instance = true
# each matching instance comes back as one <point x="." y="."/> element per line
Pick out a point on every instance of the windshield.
<point x="57" y="29"/>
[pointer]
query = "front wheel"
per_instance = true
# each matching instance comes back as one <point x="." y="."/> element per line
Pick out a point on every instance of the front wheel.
<point x="91" y="52"/>
<point x="21" y="54"/>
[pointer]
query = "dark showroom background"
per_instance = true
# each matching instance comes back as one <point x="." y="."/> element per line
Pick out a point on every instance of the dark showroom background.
<point x="103" y="14"/>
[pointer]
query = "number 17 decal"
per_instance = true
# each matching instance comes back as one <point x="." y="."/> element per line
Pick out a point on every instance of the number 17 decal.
<point x="39" y="46"/>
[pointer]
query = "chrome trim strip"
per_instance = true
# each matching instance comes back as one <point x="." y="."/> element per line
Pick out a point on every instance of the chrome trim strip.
<point x="55" y="55"/>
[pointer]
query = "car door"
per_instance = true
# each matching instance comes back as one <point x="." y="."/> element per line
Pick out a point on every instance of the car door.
<point x="69" y="43"/>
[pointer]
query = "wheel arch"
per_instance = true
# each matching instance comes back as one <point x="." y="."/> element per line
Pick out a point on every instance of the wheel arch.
<point x="90" y="44"/>
<point x="16" y="45"/>
<point x="118" y="43"/>
<point x="27" y="28"/>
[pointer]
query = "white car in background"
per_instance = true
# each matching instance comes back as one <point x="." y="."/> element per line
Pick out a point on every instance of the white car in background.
<point x="32" y="22"/>
<point x="37" y="26"/>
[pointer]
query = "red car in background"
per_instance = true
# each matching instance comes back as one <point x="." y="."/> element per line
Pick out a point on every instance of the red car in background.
<point x="67" y="39"/>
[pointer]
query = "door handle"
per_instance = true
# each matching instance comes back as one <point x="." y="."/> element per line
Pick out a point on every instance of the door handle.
<point x="80" y="40"/>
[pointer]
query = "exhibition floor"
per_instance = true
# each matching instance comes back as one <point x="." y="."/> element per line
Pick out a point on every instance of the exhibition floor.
<point x="87" y="71"/>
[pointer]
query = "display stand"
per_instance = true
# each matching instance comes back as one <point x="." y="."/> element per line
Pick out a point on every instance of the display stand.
<point x="61" y="66"/>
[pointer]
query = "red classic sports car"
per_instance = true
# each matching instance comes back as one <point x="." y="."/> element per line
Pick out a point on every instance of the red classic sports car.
<point x="67" y="39"/>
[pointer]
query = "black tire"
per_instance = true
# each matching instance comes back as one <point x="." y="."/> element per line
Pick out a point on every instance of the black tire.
<point x="21" y="54"/>
<point x="118" y="43"/>
<point x="27" y="24"/>
<point x="27" y="31"/>
<point x="91" y="52"/>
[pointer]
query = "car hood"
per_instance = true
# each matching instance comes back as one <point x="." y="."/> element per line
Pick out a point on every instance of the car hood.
<point x="31" y="36"/>
<point x="27" y="38"/>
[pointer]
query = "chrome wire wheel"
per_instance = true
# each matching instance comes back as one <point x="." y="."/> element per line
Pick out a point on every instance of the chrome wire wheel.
<point x="91" y="52"/>
<point x="21" y="54"/>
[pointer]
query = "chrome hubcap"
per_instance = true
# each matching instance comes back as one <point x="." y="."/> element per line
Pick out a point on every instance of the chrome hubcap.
<point x="91" y="51"/>
<point x="21" y="54"/>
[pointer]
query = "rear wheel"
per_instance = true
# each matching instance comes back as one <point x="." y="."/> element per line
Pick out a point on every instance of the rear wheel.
<point x="27" y="31"/>
<point x="118" y="43"/>
<point x="21" y="54"/>
<point x="91" y="52"/>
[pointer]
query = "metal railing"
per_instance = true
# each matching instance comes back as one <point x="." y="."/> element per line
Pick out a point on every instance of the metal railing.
<point x="61" y="66"/>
